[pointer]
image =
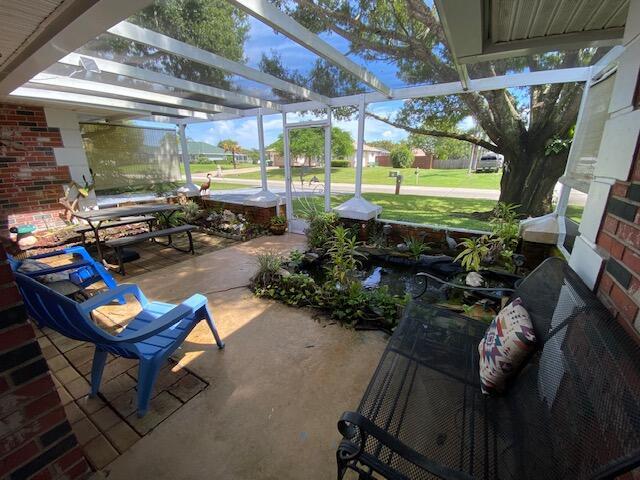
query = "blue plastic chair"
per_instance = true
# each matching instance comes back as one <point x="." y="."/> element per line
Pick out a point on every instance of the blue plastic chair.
<point x="85" y="272"/>
<point x="154" y="334"/>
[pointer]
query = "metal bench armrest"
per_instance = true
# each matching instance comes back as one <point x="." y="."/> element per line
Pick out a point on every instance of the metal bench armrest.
<point x="350" y="421"/>
<point x="115" y="293"/>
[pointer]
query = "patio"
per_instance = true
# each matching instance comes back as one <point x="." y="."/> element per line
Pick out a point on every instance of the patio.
<point x="280" y="364"/>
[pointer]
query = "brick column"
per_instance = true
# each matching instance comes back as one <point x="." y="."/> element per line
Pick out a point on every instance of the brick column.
<point x="36" y="440"/>
<point x="619" y="240"/>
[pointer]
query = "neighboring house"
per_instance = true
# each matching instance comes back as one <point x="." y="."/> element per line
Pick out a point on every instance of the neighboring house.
<point x="199" y="151"/>
<point x="370" y="155"/>
<point x="421" y="159"/>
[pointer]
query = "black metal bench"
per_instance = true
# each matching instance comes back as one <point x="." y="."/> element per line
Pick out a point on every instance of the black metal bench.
<point x="84" y="229"/>
<point x="119" y="243"/>
<point x="572" y="412"/>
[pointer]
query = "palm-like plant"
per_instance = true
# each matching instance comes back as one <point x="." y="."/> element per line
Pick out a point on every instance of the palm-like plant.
<point x="232" y="147"/>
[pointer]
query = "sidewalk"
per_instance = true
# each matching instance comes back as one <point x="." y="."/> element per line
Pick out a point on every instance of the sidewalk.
<point x="576" y="197"/>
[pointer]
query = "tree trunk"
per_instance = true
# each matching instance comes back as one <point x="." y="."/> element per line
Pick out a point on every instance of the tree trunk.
<point x="233" y="159"/>
<point x="529" y="179"/>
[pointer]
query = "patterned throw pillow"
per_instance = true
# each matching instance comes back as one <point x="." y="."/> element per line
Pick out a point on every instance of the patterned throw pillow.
<point x="505" y="345"/>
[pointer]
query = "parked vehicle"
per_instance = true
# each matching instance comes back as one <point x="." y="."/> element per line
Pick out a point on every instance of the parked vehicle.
<point x="490" y="162"/>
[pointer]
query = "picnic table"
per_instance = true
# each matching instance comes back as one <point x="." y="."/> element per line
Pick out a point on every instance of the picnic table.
<point x="95" y="218"/>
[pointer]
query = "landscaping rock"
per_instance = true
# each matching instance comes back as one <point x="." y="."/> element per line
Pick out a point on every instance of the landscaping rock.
<point x="474" y="279"/>
<point x="402" y="247"/>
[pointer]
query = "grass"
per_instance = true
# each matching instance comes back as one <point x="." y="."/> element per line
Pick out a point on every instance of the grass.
<point x="448" y="212"/>
<point x="450" y="178"/>
<point x="443" y="211"/>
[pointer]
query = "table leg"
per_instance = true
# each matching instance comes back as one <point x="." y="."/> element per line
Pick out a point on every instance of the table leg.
<point x="96" y="235"/>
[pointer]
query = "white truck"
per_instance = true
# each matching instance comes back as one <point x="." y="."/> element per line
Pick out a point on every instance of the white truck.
<point x="489" y="162"/>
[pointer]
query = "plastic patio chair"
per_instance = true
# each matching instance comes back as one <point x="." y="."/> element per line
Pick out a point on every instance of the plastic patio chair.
<point x="85" y="272"/>
<point x="154" y="334"/>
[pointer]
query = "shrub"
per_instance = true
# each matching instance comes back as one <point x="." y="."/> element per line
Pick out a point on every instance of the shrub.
<point x="191" y="211"/>
<point x="320" y="229"/>
<point x="297" y="289"/>
<point x="269" y="266"/>
<point x="278" y="220"/>
<point x="340" y="163"/>
<point x="401" y="157"/>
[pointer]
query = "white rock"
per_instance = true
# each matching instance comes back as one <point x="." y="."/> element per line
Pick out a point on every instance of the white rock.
<point x="474" y="279"/>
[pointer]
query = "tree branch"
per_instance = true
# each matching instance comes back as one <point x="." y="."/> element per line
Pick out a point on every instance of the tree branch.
<point x="437" y="133"/>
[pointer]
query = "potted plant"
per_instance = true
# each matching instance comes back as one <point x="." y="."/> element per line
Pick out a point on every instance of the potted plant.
<point x="278" y="224"/>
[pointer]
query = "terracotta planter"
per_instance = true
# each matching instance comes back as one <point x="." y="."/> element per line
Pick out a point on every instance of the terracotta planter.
<point x="278" y="229"/>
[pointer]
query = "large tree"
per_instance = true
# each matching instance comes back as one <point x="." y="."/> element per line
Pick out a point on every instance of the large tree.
<point x="309" y="143"/>
<point x="518" y="123"/>
<point x="212" y="25"/>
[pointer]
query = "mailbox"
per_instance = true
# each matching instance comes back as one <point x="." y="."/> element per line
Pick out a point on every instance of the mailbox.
<point x="393" y="174"/>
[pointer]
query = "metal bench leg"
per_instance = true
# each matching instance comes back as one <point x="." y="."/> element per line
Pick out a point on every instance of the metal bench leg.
<point x="118" y="251"/>
<point x="191" y="249"/>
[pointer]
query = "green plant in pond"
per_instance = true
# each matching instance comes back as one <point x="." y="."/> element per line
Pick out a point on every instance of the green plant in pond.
<point x="416" y="246"/>
<point x="386" y="305"/>
<point x="475" y="250"/>
<point x="295" y="258"/>
<point x="344" y="257"/>
<point x="297" y="289"/>
<point x="320" y="229"/>
<point x="269" y="270"/>
<point x="504" y="224"/>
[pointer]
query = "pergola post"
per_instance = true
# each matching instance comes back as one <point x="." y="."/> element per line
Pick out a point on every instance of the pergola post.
<point x="287" y="166"/>
<point x="263" y="198"/>
<point x="357" y="208"/>
<point x="189" y="189"/>
<point x="327" y="163"/>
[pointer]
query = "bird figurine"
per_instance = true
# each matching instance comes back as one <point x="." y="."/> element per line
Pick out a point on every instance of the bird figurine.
<point x="207" y="185"/>
<point x="451" y="243"/>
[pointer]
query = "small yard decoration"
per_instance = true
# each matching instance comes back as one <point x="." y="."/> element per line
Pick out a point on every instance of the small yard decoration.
<point x="278" y="224"/>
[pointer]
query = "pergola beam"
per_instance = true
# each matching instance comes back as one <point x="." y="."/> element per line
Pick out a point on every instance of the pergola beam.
<point x="107" y="103"/>
<point x="566" y="75"/>
<point x="133" y="93"/>
<point x="272" y="16"/>
<point x="172" y="46"/>
<point x="167" y="80"/>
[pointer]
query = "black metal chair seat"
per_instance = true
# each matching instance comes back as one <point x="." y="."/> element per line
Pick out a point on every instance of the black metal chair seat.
<point x="573" y="411"/>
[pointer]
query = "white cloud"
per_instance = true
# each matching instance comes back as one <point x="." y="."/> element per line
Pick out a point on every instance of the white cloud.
<point x="467" y="123"/>
<point x="387" y="134"/>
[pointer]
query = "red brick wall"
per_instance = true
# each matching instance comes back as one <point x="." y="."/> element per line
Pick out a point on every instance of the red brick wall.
<point x="619" y="239"/>
<point x="35" y="436"/>
<point x="30" y="180"/>
<point x="257" y="215"/>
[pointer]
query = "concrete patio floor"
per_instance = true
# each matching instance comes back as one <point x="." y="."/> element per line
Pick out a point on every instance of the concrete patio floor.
<point x="274" y="394"/>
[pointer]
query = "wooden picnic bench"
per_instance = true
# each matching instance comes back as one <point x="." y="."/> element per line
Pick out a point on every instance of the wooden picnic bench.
<point x="84" y="229"/>
<point x="119" y="243"/>
<point x="571" y="412"/>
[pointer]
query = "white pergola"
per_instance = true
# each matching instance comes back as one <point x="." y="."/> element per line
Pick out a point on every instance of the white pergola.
<point x="462" y="21"/>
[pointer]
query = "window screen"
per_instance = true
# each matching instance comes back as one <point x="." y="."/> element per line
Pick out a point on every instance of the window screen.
<point x="584" y="151"/>
<point x="128" y="158"/>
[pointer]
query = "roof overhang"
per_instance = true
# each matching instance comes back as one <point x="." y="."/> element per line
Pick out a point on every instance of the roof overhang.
<point x="484" y="30"/>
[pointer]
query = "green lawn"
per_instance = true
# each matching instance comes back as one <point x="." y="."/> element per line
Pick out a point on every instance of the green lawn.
<point x="444" y="211"/>
<point x="449" y="212"/>
<point x="380" y="176"/>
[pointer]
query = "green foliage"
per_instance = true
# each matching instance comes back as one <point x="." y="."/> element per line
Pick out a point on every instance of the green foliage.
<point x="320" y="229"/>
<point x="401" y="156"/>
<point x="504" y="224"/>
<point x="232" y="147"/>
<point x="475" y="250"/>
<point x="297" y="289"/>
<point x="340" y="163"/>
<point x="191" y="211"/>
<point x="278" y="220"/>
<point x="213" y="25"/>
<point x="416" y="246"/>
<point x="442" y="147"/>
<point x="309" y="143"/>
<point x="295" y="258"/>
<point x="269" y="267"/>
<point x="496" y="248"/>
<point x="344" y="257"/>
